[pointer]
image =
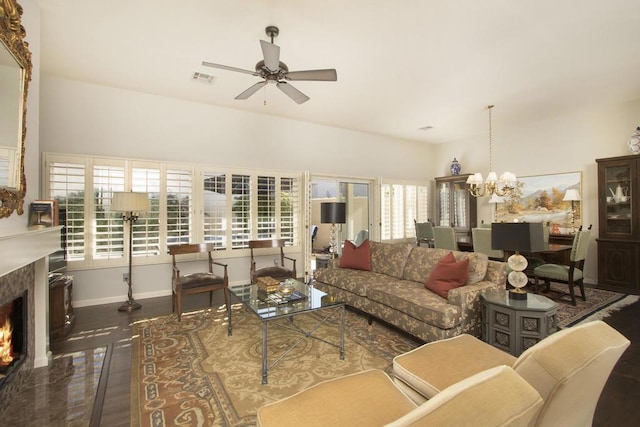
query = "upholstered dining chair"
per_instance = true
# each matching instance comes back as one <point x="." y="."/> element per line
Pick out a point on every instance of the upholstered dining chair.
<point x="444" y="238"/>
<point x="535" y="261"/>
<point x="279" y="272"/>
<point x="482" y="243"/>
<point x="370" y="398"/>
<point x="199" y="282"/>
<point x="568" y="368"/>
<point x="572" y="274"/>
<point x="424" y="233"/>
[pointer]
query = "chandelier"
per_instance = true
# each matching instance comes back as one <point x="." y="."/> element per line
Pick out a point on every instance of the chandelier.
<point x="493" y="185"/>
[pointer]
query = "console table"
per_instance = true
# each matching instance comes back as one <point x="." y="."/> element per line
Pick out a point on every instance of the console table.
<point x="516" y="325"/>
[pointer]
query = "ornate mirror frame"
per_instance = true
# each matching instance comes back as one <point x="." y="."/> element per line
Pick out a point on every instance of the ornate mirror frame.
<point x="12" y="35"/>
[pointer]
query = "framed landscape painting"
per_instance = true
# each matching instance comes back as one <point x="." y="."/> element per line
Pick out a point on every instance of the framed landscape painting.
<point x="538" y="198"/>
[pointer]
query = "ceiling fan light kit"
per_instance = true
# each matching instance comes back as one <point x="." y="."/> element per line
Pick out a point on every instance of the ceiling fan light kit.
<point x="273" y="71"/>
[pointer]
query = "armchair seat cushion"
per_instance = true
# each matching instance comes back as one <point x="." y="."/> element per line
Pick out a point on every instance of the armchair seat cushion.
<point x="557" y="272"/>
<point x="340" y="402"/>
<point x="431" y="368"/>
<point x="197" y="280"/>
<point x="274" y="272"/>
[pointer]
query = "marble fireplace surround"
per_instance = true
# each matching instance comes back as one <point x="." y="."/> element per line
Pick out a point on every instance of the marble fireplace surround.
<point x="24" y="266"/>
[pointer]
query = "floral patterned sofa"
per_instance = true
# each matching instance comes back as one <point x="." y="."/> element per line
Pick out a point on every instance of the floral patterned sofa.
<point x="393" y="290"/>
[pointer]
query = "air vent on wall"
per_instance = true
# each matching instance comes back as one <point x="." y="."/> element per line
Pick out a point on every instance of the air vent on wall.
<point x="203" y="77"/>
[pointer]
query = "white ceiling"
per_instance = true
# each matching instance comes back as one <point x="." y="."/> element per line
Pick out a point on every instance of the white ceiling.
<point x="401" y="64"/>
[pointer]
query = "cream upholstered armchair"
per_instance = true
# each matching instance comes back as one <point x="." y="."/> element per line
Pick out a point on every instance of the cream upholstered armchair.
<point x="370" y="399"/>
<point x="569" y="369"/>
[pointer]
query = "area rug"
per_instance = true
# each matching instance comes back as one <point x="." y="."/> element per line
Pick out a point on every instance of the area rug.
<point x="191" y="373"/>
<point x="597" y="300"/>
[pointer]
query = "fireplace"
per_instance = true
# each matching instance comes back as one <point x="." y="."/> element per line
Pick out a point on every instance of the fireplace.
<point x="13" y="336"/>
<point x="17" y="309"/>
<point x="23" y="276"/>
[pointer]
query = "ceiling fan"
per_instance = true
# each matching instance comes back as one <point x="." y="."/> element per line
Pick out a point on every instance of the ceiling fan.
<point x="273" y="71"/>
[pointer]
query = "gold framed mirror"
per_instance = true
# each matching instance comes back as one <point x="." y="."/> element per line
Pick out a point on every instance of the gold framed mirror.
<point x="15" y="74"/>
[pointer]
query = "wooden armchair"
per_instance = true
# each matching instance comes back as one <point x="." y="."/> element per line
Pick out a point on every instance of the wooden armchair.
<point x="195" y="283"/>
<point x="279" y="272"/>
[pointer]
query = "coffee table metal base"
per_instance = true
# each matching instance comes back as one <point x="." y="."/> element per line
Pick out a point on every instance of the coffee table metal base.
<point x="290" y="325"/>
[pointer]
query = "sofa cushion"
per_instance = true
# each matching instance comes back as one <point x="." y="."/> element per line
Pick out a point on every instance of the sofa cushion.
<point x="423" y="260"/>
<point x="477" y="265"/>
<point x="389" y="258"/>
<point x="413" y="300"/>
<point x="354" y="281"/>
<point x="448" y="274"/>
<point x="356" y="257"/>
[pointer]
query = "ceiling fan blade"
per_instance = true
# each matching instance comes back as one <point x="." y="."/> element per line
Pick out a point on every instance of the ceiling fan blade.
<point x="322" y="75"/>
<point x="271" y="54"/>
<point x="226" y="67"/>
<point x="253" y="89"/>
<point x="292" y="92"/>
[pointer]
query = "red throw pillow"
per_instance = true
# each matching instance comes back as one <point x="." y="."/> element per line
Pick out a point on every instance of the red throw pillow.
<point x="448" y="274"/>
<point x="356" y="257"/>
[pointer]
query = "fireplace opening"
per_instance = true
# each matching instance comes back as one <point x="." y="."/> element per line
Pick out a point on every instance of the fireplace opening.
<point x="13" y="336"/>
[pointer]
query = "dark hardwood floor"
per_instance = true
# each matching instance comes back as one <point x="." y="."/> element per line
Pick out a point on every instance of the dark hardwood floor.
<point x="105" y="325"/>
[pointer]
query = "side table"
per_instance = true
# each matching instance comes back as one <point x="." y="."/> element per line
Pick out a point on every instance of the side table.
<point x="516" y="325"/>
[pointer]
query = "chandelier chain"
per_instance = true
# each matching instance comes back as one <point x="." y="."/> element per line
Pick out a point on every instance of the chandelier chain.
<point x="490" y="107"/>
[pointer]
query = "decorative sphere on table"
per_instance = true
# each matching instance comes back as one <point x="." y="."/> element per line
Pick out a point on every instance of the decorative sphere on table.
<point x="634" y="142"/>
<point x="455" y="167"/>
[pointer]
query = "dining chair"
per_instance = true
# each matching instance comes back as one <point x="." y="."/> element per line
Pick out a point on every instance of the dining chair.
<point x="572" y="274"/>
<point x="199" y="282"/>
<point x="535" y="261"/>
<point x="424" y="233"/>
<point x="444" y="238"/>
<point x="482" y="243"/>
<point x="278" y="271"/>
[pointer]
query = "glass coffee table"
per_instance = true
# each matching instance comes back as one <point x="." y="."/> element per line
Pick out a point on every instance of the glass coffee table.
<point x="268" y="308"/>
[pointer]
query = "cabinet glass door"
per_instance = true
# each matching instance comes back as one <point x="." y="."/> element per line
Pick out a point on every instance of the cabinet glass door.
<point x="444" y="214"/>
<point x="618" y="189"/>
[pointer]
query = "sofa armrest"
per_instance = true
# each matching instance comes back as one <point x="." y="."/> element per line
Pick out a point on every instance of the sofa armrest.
<point x="468" y="297"/>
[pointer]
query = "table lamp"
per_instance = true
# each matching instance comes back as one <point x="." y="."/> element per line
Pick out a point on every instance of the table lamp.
<point x="130" y="204"/>
<point x="333" y="213"/>
<point x="517" y="237"/>
<point x="572" y="195"/>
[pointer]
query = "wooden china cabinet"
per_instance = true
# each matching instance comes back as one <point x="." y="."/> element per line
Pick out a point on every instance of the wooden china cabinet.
<point x="619" y="223"/>
<point x="455" y="207"/>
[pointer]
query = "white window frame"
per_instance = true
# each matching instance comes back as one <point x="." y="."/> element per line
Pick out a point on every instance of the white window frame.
<point x="400" y="203"/>
<point x="157" y="252"/>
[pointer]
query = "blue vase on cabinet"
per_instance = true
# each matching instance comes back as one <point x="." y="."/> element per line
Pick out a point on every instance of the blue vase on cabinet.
<point x="455" y="167"/>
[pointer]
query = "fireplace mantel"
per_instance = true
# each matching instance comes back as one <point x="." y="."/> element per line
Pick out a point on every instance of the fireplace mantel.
<point x="26" y="247"/>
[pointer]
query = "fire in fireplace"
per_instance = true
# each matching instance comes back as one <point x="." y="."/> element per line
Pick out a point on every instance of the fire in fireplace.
<point x="12" y="336"/>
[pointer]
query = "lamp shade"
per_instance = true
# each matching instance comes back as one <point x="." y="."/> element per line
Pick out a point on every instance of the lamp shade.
<point x="130" y="202"/>
<point x="517" y="236"/>
<point x="333" y="212"/>
<point x="571" y="195"/>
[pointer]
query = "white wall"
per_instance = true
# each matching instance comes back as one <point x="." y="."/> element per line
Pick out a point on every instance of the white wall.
<point x="83" y="118"/>
<point x="566" y="142"/>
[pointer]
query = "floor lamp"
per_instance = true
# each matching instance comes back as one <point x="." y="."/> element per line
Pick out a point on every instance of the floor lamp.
<point x="333" y="213"/>
<point x="130" y="204"/>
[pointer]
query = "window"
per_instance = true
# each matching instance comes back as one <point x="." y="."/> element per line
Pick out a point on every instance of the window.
<point x="67" y="185"/>
<point x="226" y="208"/>
<point x="401" y="204"/>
